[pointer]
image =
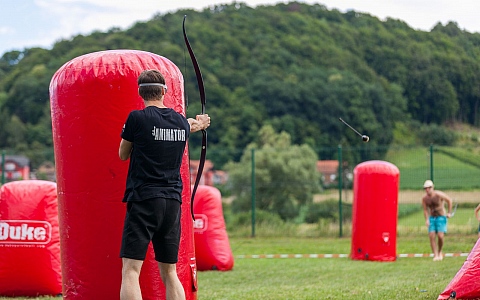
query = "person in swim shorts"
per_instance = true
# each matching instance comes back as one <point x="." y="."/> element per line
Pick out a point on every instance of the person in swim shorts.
<point x="436" y="217"/>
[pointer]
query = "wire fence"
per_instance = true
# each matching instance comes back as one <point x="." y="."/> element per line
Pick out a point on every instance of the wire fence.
<point x="452" y="171"/>
<point x="455" y="171"/>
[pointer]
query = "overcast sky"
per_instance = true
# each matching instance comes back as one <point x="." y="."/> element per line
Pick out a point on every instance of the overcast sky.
<point x="31" y="23"/>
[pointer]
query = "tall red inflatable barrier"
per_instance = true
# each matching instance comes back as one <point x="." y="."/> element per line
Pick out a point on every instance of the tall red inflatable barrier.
<point x="29" y="239"/>
<point x="211" y="239"/>
<point x="465" y="284"/>
<point x="91" y="97"/>
<point x="375" y="208"/>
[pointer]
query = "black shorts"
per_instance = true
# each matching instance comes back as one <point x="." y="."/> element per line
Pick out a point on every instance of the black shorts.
<point x="156" y="220"/>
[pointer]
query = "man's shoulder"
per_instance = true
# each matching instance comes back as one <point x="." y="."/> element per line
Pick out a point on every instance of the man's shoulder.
<point x="174" y="112"/>
<point x="178" y="116"/>
<point x="135" y="112"/>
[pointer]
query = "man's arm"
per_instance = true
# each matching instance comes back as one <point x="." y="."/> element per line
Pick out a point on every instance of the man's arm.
<point x="200" y="122"/>
<point x="425" y="212"/>
<point x="125" y="149"/>
<point x="449" y="201"/>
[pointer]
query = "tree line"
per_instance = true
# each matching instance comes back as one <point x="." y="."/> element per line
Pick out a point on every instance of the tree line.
<point x="293" y="66"/>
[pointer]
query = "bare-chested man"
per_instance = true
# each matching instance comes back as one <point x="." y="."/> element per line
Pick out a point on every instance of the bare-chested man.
<point x="435" y="217"/>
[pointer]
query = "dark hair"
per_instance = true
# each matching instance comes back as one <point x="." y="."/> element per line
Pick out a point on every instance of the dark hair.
<point x="150" y="92"/>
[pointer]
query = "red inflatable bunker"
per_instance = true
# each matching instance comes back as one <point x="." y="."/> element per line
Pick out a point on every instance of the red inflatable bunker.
<point x="91" y="97"/>
<point x="465" y="284"/>
<point x="29" y="239"/>
<point x="375" y="208"/>
<point x="211" y="239"/>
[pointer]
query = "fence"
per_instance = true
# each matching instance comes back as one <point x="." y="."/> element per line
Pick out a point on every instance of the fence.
<point x="453" y="170"/>
<point x="3" y="167"/>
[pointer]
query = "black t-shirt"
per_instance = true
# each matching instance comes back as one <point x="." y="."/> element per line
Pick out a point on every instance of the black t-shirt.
<point x="159" y="137"/>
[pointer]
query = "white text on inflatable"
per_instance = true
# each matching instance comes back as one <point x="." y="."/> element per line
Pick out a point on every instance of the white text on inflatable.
<point x="25" y="232"/>
<point x="201" y="223"/>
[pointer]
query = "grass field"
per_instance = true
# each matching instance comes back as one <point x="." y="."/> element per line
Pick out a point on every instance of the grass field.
<point x="333" y="278"/>
<point x="329" y="278"/>
<point x="449" y="172"/>
<point x="409" y="278"/>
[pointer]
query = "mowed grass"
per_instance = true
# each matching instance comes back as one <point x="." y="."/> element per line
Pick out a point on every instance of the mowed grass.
<point x="329" y="278"/>
<point x="449" y="172"/>
<point x="342" y="278"/>
<point x="332" y="278"/>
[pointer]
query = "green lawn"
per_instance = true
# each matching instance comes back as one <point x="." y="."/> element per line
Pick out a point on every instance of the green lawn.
<point x="449" y="172"/>
<point x="341" y="278"/>
<point x="330" y="278"/>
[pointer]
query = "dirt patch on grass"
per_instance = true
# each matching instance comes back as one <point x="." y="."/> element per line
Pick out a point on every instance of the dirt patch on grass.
<point x="404" y="196"/>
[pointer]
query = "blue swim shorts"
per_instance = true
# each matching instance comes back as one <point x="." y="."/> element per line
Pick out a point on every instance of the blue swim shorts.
<point x="438" y="224"/>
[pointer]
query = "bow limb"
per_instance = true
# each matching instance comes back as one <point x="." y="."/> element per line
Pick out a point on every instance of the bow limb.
<point x="201" y="89"/>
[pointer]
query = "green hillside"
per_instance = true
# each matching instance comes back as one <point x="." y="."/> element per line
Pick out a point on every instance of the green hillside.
<point x="295" y="66"/>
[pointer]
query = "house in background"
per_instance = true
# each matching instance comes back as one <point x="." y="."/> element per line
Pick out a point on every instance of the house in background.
<point x="329" y="171"/>
<point x="17" y="167"/>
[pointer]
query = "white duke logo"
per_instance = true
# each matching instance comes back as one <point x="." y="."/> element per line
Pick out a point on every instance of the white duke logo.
<point x="25" y="232"/>
<point x="200" y="224"/>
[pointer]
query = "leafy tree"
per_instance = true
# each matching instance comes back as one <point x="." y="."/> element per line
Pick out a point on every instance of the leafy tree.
<point x="286" y="175"/>
<point x="16" y="131"/>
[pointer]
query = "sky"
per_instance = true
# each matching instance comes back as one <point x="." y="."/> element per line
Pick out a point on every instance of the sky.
<point x="40" y="23"/>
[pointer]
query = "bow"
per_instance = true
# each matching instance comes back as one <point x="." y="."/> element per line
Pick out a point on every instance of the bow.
<point x="201" y="89"/>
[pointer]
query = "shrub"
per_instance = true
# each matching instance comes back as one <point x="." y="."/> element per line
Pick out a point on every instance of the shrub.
<point x="435" y="134"/>
<point x="327" y="209"/>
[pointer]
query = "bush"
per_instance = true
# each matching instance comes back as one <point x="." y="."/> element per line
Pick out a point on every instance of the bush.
<point x="266" y="225"/>
<point x="407" y="209"/>
<point x="327" y="209"/>
<point x="435" y="134"/>
<point x="261" y="217"/>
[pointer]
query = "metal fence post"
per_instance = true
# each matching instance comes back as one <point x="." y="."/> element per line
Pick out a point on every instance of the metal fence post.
<point x="340" y="185"/>
<point x="253" y="192"/>
<point x="3" y="167"/>
<point x="431" y="162"/>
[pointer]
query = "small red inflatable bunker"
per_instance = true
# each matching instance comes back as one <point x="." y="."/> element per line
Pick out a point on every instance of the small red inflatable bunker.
<point x="375" y="208"/>
<point x="29" y="239"/>
<point x="466" y="283"/>
<point x="211" y="239"/>
<point x="91" y="97"/>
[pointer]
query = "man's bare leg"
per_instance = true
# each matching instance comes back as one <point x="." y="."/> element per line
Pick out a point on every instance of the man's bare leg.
<point x="433" y="244"/>
<point x="130" y="288"/>
<point x="441" y="236"/>
<point x="173" y="286"/>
